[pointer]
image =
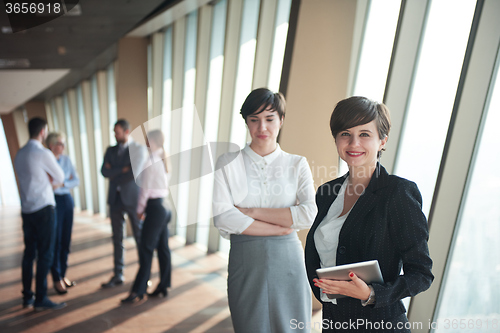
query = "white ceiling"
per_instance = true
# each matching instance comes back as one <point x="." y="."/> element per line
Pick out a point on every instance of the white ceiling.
<point x="19" y="86"/>
<point x="64" y="51"/>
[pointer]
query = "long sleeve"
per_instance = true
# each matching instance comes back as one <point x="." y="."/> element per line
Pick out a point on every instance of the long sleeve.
<point x="303" y="214"/>
<point x="143" y="199"/>
<point x="51" y="166"/>
<point x="153" y="182"/>
<point x="227" y="218"/>
<point x="409" y="229"/>
<point x="73" y="180"/>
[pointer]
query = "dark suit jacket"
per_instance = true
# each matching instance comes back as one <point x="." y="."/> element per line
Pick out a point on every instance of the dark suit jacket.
<point x="386" y="224"/>
<point x="128" y="188"/>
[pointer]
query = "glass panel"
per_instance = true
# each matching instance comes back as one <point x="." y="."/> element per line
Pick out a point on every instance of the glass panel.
<point x="471" y="288"/>
<point x="214" y="91"/>
<point x="9" y="194"/>
<point x="150" y="80"/>
<point x="85" y="149"/>
<point x="71" y="151"/>
<point x="167" y="88"/>
<point x="99" y="155"/>
<point x="279" y="43"/>
<point x="380" y="29"/>
<point x="379" y="32"/>
<point x="187" y="121"/>
<point x="112" y="103"/>
<point x="54" y="115"/>
<point x="246" y="62"/>
<point x="438" y="71"/>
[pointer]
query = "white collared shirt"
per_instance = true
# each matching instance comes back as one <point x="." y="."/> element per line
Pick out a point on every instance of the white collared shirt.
<point x="326" y="237"/>
<point x="248" y="180"/>
<point x="33" y="163"/>
<point x="153" y="181"/>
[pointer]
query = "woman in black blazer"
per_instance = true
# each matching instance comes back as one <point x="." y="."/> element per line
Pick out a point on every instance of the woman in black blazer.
<point x="367" y="215"/>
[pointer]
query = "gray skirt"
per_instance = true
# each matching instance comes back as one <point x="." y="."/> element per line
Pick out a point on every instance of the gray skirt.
<point x="267" y="284"/>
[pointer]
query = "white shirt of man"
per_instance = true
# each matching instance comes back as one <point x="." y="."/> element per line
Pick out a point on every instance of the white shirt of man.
<point x="33" y="165"/>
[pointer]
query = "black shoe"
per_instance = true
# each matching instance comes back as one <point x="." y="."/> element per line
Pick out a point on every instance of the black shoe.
<point x="60" y="287"/>
<point x="69" y="283"/>
<point x="28" y="303"/>
<point x="49" y="305"/>
<point x="132" y="298"/>
<point x="115" y="281"/>
<point x="157" y="293"/>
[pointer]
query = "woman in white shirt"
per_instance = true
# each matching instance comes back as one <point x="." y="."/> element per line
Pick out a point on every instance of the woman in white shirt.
<point x="154" y="187"/>
<point x="262" y="195"/>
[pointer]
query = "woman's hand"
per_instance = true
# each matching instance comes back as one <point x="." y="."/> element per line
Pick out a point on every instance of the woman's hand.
<point x="260" y="228"/>
<point x="356" y="288"/>
<point x="278" y="216"/>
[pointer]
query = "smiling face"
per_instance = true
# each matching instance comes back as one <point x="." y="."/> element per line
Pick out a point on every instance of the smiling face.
<point x="264" y="127"/>
<point x="358" y="146"/>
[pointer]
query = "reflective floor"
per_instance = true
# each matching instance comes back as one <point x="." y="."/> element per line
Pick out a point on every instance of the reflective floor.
<point x="196" y="303"/>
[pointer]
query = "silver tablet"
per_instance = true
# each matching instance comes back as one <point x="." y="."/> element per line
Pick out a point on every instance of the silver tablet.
<point x="368" y="271"/>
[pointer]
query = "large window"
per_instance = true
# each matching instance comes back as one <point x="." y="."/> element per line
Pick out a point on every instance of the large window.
<point x="112" y="103"/>
<point x="8" y="187"/>
<point x="99" y="154"/>
<point x="471" y="288"/>
<point x="70" y="142"/>
<point x="85" y="149"/>
<point x="188" y="96"/>
<point x="246" y="62"/>
<point x="376" y="49"/>
<point x="435" y="86"/>
<point x="210" y="129"/>
<point x="378" y="34"/>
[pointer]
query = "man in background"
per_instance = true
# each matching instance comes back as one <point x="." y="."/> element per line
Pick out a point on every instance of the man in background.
<point x="122" y="197"/>
<point x="37" y="171"/>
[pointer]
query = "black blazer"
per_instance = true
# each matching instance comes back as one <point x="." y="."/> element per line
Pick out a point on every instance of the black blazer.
<point x="387" y="224"/>
<point x="128" y="187"/>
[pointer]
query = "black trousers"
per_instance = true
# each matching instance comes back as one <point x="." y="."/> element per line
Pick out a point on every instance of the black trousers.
<point x="116" y="214"/>
<point x="335" y="320"/>
<point x="154" y="235"/>
<point x="64" y="227"/>
<point x="39" y="238"/>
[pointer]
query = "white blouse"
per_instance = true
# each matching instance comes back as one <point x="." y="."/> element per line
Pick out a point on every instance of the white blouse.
<point x="248" y="180"/>
<point x="326" y="237"/>
<point x="153" y="181"/>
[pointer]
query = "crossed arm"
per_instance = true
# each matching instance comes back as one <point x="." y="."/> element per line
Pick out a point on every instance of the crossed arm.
<point x="268" y="221"/>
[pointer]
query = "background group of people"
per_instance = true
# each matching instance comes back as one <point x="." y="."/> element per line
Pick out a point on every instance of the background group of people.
<point x="46" y="177"/>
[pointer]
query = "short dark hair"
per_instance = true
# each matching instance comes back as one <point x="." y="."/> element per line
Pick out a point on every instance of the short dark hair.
<point x="260" y="99"/>
<point x="35" y="126"/>
<point x="358" y="110"/>
<point x="124" y="124"/>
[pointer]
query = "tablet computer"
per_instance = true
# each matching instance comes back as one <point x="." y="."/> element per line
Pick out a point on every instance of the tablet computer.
<point x="368" y="271"/>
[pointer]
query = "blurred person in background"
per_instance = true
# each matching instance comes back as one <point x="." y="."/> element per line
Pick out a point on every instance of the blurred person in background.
<point x="153" y="183"/>
<point x="64" y="212"/>
<point x="37" y="171"/>
<point x="122" y="197"/>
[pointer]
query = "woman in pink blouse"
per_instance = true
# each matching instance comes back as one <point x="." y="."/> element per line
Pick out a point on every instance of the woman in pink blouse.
<point x="154" y="187"/>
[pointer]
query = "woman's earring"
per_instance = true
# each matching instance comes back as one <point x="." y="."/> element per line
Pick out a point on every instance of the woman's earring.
<point x="379" y="154"/>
